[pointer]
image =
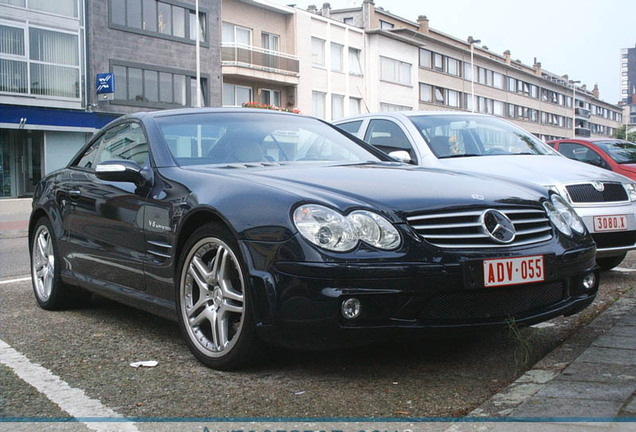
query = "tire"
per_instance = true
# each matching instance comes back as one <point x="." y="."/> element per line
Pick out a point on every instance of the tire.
<point x="608" y="263"/>
<point x="50" y="292"/>
<point x="213" y="307"/>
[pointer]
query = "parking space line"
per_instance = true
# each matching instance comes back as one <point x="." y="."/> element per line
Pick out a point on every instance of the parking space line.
<point x="2" y="282"/>
<point x="73" y="401"/>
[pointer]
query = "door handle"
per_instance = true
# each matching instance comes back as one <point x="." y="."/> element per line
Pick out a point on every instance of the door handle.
<point x="74" y="194"/>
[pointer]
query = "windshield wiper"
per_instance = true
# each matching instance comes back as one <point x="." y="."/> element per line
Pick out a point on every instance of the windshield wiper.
<point x="459" y="156"/>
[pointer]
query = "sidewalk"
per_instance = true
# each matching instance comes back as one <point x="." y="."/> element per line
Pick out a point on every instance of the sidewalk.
<point x="590" y="377"/>
<point x="14" y="217"/>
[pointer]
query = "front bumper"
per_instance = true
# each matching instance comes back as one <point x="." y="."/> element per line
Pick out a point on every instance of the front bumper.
<point x="613" y="241"/>
<point x="298" y="304"/>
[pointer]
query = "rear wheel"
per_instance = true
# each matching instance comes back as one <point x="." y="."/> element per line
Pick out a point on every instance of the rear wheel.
<point x="608" y="263"/>
<point x="212" y="300"/>
<point x="50" y="292"/>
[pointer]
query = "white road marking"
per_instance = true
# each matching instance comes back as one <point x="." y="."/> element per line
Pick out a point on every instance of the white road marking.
<point x="624" y="270"/>
<point x="73" y="401"/>
<point x="15" y="280"/>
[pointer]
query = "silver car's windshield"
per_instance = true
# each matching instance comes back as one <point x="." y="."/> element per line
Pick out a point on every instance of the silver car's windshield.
<point x="463" y="136"/>
<point x="256" y="138"/>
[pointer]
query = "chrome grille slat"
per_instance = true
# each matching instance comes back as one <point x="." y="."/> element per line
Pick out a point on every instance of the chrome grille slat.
<point x="457" y="229"/>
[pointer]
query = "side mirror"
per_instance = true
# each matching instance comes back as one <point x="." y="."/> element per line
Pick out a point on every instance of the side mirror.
<point x="121" y="171"/>
<point x="401" y="156"/>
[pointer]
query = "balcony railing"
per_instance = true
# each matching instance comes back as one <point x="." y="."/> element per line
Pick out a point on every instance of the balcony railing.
<point x="583" y="112"/>
<point x="582" y="132"/>
<point x="253" y="57"/>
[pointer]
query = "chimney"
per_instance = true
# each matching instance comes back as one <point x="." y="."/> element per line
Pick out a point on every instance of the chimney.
<point x="326" y="10"/>
<point x="584" y="87"/>
<point x="507" y="56"/>
<point x="368" y="10"/>
<point x="537" y="67"/>
<point x="312" y="8"/>
<point x="596" y="92"/>
<point x="422" y="21"/>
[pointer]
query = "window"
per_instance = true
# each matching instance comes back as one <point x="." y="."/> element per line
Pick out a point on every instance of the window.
<point x="386" y="25"/>
<point x="318" y="104"/>
<point x="453" y="98"/>
<point x="336" y="57"/>
<point x="123" y="142"/>
<point x="270" y="97"/>
<point x="354" y="106"/>
<point x="395" y="71"/>
<point x="156" y="88"/>
<point x="468" y="71"/>
<point x="348" y="20"/>
<point x="453" y="66"/>
<point x="438" y="61"/>
<point x="50" y="61"/>
<point x="498" y="80"/>
<point x="426" y="93"/>
<point x="351" y="127"/>
<point x="387" y="136"/>
<point x="387" y="107"/>
<point x="236" y="34"/>
<point x="59" y="7"/>
<point x="425" y="58"/>
<point x="438" y="93"/>
<point x="354" y="62"/>
<point x="234" y="95"/>
<point x="156" y="17"/>
<point x="317" y="52"/>
<point x="337" y="107"/>
<point x="270" y="41"/>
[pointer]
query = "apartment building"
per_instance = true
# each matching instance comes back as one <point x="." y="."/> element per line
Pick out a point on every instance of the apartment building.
<point x="258" y="60"/>
<point x="453" y="74"/>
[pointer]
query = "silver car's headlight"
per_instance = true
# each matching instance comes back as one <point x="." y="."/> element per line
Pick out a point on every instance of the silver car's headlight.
<point x="331" y="230"/>
<point x="563" y="216"/>
<point x="631" y="190"/>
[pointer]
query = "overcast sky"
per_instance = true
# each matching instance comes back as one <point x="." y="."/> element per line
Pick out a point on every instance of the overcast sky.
<point x="581" y="38"/>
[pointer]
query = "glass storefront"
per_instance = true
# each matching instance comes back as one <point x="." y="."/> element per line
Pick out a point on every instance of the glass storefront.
<point x="21" y="162"/>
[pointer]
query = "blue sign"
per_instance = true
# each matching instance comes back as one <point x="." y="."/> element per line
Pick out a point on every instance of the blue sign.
<point x="105" y="83"/>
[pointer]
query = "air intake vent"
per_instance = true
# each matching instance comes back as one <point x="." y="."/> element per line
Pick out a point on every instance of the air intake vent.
<point x="587" y="193"/>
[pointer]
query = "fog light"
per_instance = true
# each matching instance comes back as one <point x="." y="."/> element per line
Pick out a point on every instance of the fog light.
<point x="351" y="308"/>
<point x="589" y="281"/>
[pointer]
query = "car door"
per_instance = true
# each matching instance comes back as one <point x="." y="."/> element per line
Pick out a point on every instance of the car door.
<point x="104" y="220"/>
<point x="582" y="153"/>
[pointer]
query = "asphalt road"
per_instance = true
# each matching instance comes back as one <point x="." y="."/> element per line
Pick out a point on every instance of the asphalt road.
<point x="91" y="348"/>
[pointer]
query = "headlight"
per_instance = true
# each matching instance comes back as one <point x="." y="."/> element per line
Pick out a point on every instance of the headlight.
<point x="563" y="216"/>
<point x="631" y="190"/>
<point x="330" y="230"/>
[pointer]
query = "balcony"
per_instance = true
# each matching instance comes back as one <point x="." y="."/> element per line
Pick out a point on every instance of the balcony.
<point x="583" y="112"/>
<point x="245" y="60"/>
<point x="582" y="132"/>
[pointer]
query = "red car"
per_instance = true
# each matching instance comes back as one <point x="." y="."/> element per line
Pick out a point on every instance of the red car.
<point x="612" y="154"/>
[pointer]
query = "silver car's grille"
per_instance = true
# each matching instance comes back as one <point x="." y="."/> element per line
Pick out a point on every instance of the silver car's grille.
<point x="466" y="229"/>
<point x="587" y="193"/>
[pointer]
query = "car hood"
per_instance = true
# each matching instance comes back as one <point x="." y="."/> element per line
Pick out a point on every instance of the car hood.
<point x="386" y="186"/>
<point x="542" y="170"/>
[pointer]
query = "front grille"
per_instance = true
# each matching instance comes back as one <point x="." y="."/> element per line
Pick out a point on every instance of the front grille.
<point x="491" y="303"/>
<point x="586" y="193"/>
<point x="612" y="240"/>
<point x="464" y="229"/>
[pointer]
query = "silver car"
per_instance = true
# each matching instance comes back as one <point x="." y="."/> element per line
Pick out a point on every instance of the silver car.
<point x="489" y="145"/>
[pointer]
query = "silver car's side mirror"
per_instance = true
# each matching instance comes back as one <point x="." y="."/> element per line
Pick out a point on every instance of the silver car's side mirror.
<point x="401" y="156"/>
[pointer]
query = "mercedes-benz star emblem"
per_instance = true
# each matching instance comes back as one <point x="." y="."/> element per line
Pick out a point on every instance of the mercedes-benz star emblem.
<point x="498" y="226"/>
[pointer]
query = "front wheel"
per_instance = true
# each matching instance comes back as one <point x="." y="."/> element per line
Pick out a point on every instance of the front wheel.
<point x="212" y="300"/>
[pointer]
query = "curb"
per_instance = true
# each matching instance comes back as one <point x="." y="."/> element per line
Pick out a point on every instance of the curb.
<point x="505" y="403"/>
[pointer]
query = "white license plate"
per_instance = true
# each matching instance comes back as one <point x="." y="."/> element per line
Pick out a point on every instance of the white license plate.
<point x="513" y="271"/>
<point x="610" y="223"/>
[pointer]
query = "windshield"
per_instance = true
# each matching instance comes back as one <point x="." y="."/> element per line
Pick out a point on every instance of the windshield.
<point x="256" y="138"/>
<point x="460" y="136"/>
<point x="623" y="152"/>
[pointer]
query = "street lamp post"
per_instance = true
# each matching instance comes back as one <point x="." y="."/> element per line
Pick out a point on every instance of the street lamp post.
<point x="574" y="83"/>
<point x="472" y="43"/>
<point x="198" y="53"/>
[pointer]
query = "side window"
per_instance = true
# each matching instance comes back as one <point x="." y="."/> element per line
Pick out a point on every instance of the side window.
<point x="387" y="136"/>
<point x="124" y="142"/>
<point x="581" y="153"/>
<point x="87" y="160"/>
<point x="351" y="127"/>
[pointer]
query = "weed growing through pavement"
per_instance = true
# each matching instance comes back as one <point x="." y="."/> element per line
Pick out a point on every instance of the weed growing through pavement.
<point x="523" y="351"/>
